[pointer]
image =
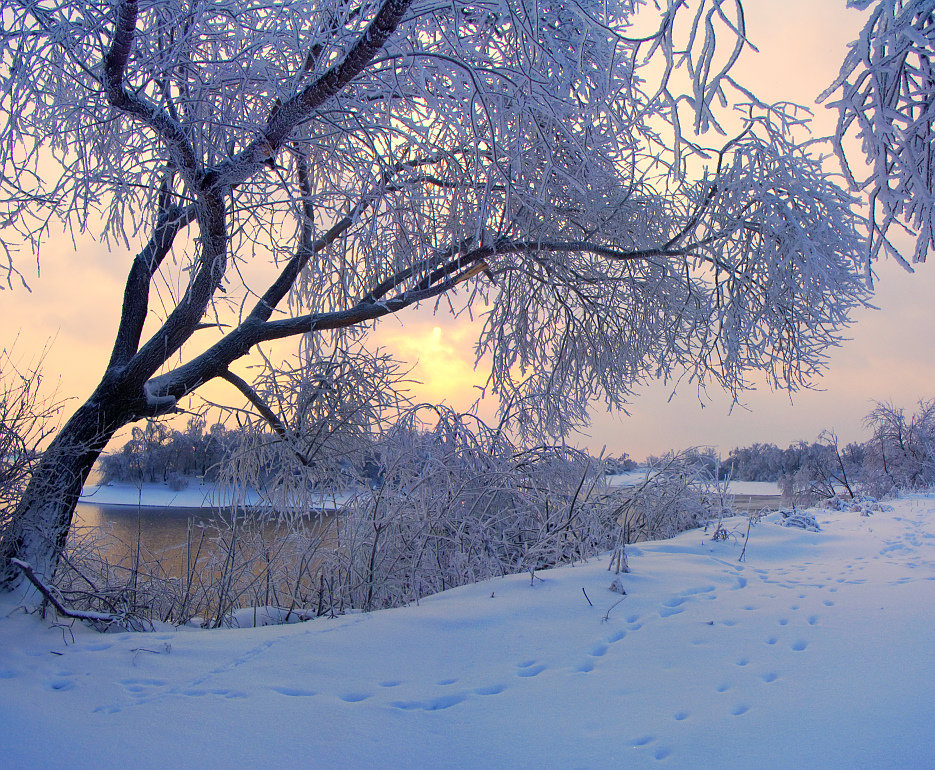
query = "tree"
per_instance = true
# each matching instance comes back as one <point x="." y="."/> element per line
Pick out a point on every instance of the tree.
<point x="540" y="163"/>
<point x="887" y="97"/>
<point x="900" y="454"/>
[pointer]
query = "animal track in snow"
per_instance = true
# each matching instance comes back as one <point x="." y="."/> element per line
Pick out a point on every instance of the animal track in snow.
<point x="799" y="645"/>
<point x="598" y="650"/>
<point x="294" y="692"/>
<point x="770" y="676"/>
<point x="434" y="704"/>
<point x="354" y="697"/>
<point x="739" y="709"/>
<point x="491" y="689"/>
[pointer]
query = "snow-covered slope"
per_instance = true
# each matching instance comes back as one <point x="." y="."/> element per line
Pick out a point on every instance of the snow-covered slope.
<point x="817" y="651"/>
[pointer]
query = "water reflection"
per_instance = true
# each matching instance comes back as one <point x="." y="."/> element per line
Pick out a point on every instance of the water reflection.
<point x="175" y="537"/>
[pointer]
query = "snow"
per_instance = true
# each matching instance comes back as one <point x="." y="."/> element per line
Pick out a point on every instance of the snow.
<point x="195" y="495"/>
<point x="632" y="478"/>
<point x="817" y="651"/>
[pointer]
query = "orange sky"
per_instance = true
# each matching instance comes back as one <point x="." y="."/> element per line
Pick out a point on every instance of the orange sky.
<point x="75" y="301"/>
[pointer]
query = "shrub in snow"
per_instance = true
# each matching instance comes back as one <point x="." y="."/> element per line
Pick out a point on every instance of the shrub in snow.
<point x="678" y="493"/>
<point x="799" y="519"/>
<point x="862" y="504"/>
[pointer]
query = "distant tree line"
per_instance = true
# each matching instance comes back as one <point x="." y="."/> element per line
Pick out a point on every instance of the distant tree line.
<point x="898" y="456"/>
<point x="156" y="452"/>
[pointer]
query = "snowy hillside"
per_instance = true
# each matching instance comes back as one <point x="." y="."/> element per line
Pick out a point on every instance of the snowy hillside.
<point x="817" y="651"/>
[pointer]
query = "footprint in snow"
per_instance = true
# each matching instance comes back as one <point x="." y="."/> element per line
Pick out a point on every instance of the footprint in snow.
<point x="59" y="684"/>
<point x="531" y="671"/>
<point x="354" y="697"/>
<point x="598" y="650"/>
<point x="435" y="704"/>
<point x="739" y="709"/>
<point x="770" y="676"/>
<point x="799" y="645"/>
<point x="294" y="692"/>
<point x="681" y="716"/>
<point x="491" y="689"/>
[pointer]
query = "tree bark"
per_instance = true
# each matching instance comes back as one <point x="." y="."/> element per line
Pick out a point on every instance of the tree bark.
<point x="43" y="517"/>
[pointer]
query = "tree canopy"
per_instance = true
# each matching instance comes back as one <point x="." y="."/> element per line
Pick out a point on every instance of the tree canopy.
<point x="543" y="164"/>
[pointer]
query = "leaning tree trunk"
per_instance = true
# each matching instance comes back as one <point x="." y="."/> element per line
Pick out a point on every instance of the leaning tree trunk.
<point x="40" y="524"/>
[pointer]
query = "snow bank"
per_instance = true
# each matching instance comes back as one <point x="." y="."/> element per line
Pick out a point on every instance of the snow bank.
<point x="633" y="478"/>
<point x="814" y="652"/>
<point x="159" y="495"/>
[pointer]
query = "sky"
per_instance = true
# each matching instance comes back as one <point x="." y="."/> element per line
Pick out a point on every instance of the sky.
<point x="75" y="288"/>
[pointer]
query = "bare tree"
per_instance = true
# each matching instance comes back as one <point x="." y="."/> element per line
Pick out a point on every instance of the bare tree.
<point x="887" y="101"/>
<point x="541" y="163"/>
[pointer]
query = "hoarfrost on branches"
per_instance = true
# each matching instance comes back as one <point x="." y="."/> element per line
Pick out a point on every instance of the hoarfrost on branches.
<point x="542" y="164"/>
<point x="887" y="101"/>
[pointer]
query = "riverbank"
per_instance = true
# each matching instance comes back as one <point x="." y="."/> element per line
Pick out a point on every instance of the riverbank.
<point x="198" y="495"/>
<point x="195" y="495"/>
<point x="813" y="652"/>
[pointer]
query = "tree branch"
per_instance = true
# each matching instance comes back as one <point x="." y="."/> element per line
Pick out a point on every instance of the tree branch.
<point x="265" y="411"/>
<point x="300" y="107"/>
<point x="115" y="65"/>
<point x="170" y="223"/>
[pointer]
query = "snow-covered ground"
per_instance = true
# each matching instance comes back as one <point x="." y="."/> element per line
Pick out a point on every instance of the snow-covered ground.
<point x="818" y="651"/>
<point x="159" y="495"/>
<point x="197" y="495"/>
<point x="632" y="478"/>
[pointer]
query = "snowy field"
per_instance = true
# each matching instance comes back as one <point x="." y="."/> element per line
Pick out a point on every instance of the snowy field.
<point x="817" y="652"/>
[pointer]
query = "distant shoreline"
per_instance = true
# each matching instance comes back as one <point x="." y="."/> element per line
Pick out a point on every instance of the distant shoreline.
<point x="195" y="496"/>
<point x="207" y="496"/>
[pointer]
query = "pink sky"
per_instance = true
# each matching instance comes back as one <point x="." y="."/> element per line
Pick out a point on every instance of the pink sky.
<point x="75" y="301"/>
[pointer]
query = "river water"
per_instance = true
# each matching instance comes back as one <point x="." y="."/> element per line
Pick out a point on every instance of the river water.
<point x="174" y="535"/>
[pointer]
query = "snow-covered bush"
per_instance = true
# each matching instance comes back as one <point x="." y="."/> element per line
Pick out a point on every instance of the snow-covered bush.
<point x="26" y="418"/>
<point x="862" y="504"/>
<point x="799" y="519"/>
<point x="900" y="456"/>
<point x="458" y="503"/>
<point x="678" y="493"/>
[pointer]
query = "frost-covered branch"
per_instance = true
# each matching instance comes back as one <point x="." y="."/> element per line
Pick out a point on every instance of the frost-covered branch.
<point x="886" y="100"/>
